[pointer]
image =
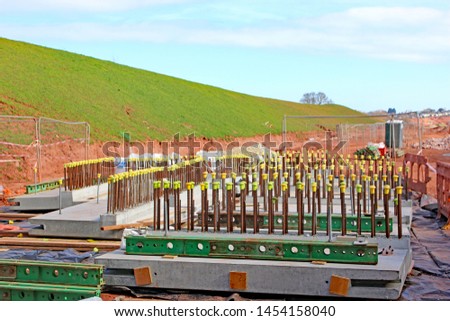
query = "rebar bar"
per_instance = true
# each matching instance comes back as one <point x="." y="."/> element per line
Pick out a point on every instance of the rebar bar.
<point x="229" y="207"/>
<point x="386" y="197"/>
<point x="399" y="212"/>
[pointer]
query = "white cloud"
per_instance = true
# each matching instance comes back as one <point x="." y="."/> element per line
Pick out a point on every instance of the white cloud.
<point x="404" y="34"/>
<point x="394" y="15"/>
<point x="398" y="33"/>
<point x="81" y="5"/>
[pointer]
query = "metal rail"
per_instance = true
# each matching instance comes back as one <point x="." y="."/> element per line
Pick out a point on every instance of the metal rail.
<point x="22" y="280"/>
<point x="322" y="224"/>
<point x="51" y="272"/>
<point x="235" y="246"/>
<point x="44" y="186"/>
<point x="45" y="292"/>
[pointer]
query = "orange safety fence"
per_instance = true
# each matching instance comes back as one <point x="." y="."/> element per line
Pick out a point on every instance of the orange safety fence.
<point x="443" y="189"/>
<point x="416" y="173"/>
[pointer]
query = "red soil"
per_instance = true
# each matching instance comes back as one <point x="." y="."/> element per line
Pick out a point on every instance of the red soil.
<point x="18" y="171"/>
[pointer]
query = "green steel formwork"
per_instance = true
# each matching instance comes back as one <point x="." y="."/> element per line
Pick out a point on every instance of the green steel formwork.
<point x="15" y="291"/>
<point x="40" y="187"/>
<point x="51" y="272"/>
<point x="251" y="247"/>
<point x="336" y="222"/>
<point x="22" y="280"/>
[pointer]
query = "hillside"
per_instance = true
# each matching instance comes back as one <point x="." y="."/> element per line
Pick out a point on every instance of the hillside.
<point x="113" y="98"/>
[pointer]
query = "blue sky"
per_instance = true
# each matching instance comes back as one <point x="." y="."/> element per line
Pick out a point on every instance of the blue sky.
<point x="367" y="55"/>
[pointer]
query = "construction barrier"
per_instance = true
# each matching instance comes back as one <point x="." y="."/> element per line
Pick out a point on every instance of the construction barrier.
<point x="443" y="189"/>
<point x="416" y="173"/>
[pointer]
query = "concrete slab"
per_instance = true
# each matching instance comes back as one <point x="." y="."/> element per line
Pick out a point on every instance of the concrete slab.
<point x="89" y="193"/>
<point x="43" y="201"/>
<point x="382" y="281"/>
<point x="80" y="221"/>
<point x="85" y="220"/>
<point x="49" y="200"/>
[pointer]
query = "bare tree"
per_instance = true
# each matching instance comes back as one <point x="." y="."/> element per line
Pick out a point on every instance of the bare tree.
<point x="315" y="98"/>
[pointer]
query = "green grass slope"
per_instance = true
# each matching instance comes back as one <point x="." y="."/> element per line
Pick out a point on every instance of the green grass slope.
<point x="113" y="98"/>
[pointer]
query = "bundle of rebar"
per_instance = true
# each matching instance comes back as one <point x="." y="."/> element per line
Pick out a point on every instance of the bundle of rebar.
<point x="235" y="163"/>
<point x="315" y="180"/>
<point x="129" y="189"/>
<point x="82" y="174"/>
<point x="133" y="188"/>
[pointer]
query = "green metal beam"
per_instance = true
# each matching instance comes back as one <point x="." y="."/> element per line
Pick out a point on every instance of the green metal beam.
<point x="51" y="272"/>
<point x="40" y="187"/>
<point x="249" y="247"/>
<point x="15" y="291"/>
<point x="336" y="222"/>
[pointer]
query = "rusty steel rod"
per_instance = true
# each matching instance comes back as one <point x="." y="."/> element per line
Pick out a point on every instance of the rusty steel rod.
<point x="343" y="211"/>
<point x="285" y="207"/>
<point x="308" y="191"/>
<point x="216" y="206"/>
<point x="364" y="193"/>
<point x="166" y="207"/>
<point x="375" y="184"/>
<point x="276" y="190"/>
<point x="387" y="192"/>
<point x="319" y="208"/>
<point x="255" y="208"/>
<point x="331" y="182"/>
<point x="264" y="191"/>
<point x="399" y="211"/>
<point x="324" y="181"/>
<point x="224" y="176"/>
<point x="176" y="203"/>
<point x="156" y="186"/>
<point x="380" y="181"/>
<point x="352" y="193"/>
<point x="358" y="207"/>
<point x="192" y="206"/>
<point x="300" y="207"/>
<point x="233" y="180"/>
<point x="314" y="214"/>
<point x="372" y="210"/>
<point x="189" y="205"/>
<point x="229" y="208"/>
<point x="204" y="209"/>
<point x="243" y="207"/>
<point x="329" y="212"/>
<point x="271" y="204"/>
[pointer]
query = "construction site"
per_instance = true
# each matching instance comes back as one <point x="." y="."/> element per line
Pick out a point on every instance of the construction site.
<point x="349" y="207"/>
